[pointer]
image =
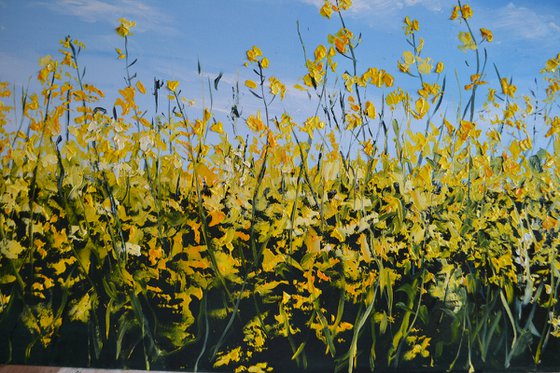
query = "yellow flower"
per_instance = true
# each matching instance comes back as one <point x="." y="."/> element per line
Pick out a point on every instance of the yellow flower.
<point x="402" y="67"/>
<point x="466" y="12"/>
<point x="352" y="121"/>
<point x="424" y="66"/>
<point x="475" y="80"/>
<point x="276" y="87"/>
<point x="345" y="4"/>
<point x="552" y="64"/>
<point x="140" y="87"/>
<point x="315" y="122"/>
<point x="429" y="89"/>
<point x="172" y="85"/>
<point x="125" y="27"/>
<point x="507" y="88"/>
<point x="454" y="13"/>
<point x="315" y="75"/>
<point x="341" y="39"/>
<point x="271" y="139"/>
<point x="67" y="59"/>
<point x="525" y="144"/>
<point x="217" y="127"/>
<point x="388" y="79"/>
<point x="4" y="90"/>
<point x="320" y="52"/>
<point x="255" y="123"/>
<point x="549" y="223"/>
<point x="393" y="98"/>
<point x="11" y="249"/>
<point x="225" y="359"/>
<point x="554" y="126"/>
<point x="552" y="88"/>
<point x="340" y="44"/>
<point x="311" y="124"/>
<point x="326" y="9"/>
<point x="368" y="147"/>
<point x="486" y="34"/>
<point x="410" y="26"/>
<point x="467" y="41"/>
<point x="121" y="55"/>
<point x="374" y="76"/>
<point x="48" y="65"/>
<point x="465" y="129"/>
<point x="408" y="57"/>
<point x="369" y="110"/>
<point x="420" y="46"/>
<point x="250" y="84"/>
<point x="421" y="107"/>
<point x="253" y="53"/>
<point x="439" y="67"/>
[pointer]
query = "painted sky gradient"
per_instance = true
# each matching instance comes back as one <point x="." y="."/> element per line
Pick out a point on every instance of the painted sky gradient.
<point x="172" y="36"/>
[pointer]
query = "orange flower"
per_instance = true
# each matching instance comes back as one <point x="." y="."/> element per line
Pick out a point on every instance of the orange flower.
<point x="454" y="13"/>
<point x="475" y="80"/>
<point x="486" y="34"/>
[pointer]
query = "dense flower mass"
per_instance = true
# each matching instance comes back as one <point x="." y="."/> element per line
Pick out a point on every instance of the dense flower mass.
<point x="380" y="231"/>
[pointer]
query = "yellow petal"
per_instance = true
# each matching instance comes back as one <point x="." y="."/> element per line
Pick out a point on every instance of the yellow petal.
<point x="172" y="85"/>
<point x="217" y="127"/>
<point x="251" y="84"/>
<point x="370" y="110"/>
<point x="140" y="87"/>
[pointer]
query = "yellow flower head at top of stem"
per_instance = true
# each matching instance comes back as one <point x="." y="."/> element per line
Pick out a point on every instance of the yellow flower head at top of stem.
<point x="253" y="53"/>
<point x="172" y="85"/>
<point x="125" y="26"/>
<point x="410" y="26"/>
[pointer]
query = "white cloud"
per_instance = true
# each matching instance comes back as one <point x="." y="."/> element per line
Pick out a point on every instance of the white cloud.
<point x="525" y="23"/>
<point x="147" y="17"/>
<point x="554" y="26"/>
<point x="385" y="7"/>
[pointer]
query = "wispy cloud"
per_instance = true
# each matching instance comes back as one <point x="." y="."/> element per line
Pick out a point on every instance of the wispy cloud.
<point x="147" y="17"/>
<point x="526" y="23"/>
<point x="382" y="8"/>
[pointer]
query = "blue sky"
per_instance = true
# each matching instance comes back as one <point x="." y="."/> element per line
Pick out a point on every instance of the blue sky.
<point x="171" y="36"/>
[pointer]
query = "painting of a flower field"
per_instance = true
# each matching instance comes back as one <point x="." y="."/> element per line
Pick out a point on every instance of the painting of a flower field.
<point x="389" y="228"/>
